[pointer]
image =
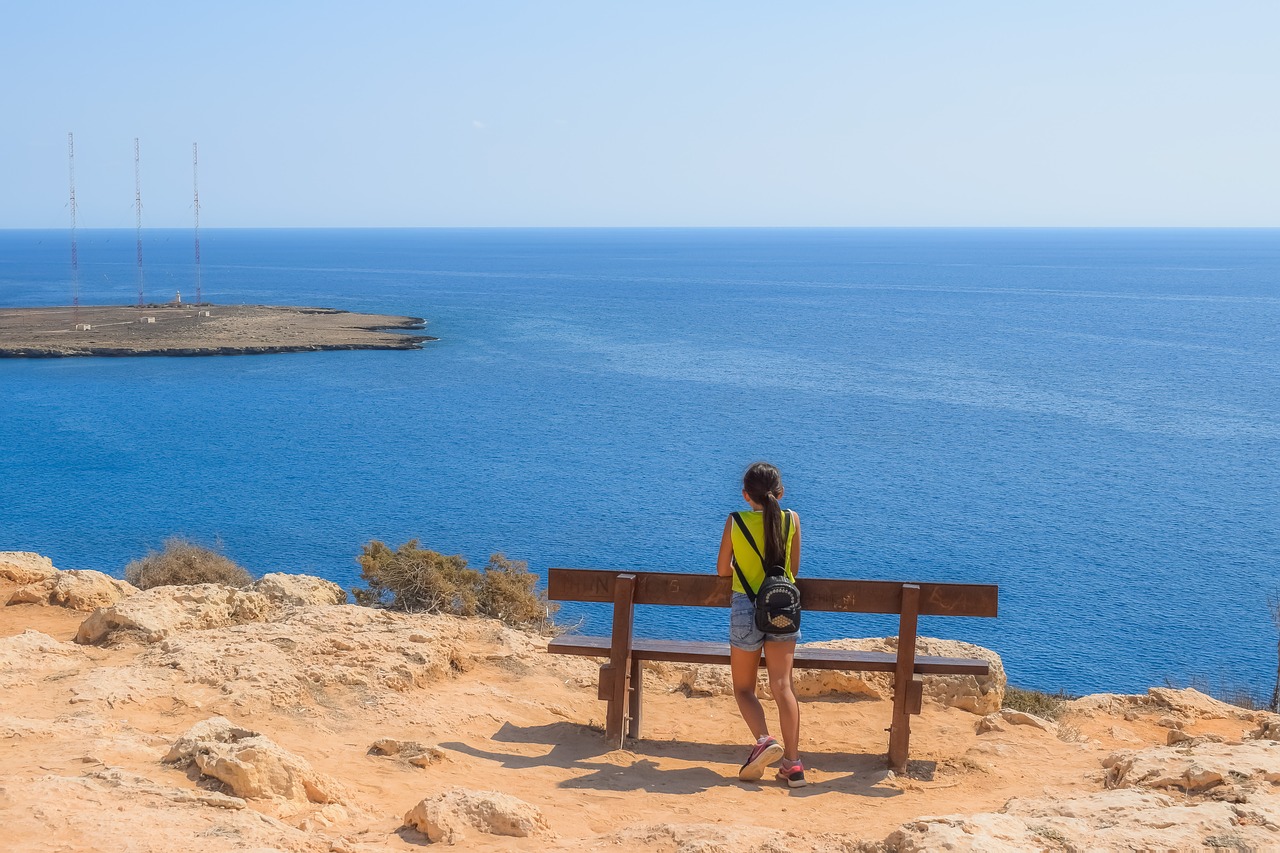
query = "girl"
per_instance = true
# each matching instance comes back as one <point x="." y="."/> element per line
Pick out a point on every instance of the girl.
<point x="761" y="489"/>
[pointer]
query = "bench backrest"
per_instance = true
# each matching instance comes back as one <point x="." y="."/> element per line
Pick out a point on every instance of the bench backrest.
<point x="830" y="594"/>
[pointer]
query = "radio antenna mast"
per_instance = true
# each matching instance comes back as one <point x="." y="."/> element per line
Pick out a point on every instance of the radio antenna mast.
<point x="195" y="185"/>
<point x="75" y="258"/>
<point x="137" y="203"/>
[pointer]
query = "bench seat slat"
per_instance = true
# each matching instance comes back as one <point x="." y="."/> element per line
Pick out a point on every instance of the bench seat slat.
<point x="806" y="657"/>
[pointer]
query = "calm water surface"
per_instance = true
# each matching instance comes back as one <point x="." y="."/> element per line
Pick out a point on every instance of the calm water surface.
<point x="1090" y="419"/>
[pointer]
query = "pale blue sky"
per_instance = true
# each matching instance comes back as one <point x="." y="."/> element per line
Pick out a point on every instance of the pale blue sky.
<point x="656" y="113"/>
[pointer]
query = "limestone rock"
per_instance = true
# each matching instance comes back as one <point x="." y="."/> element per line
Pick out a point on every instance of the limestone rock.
<point x="738" y="837"/>
<point x="1191" y="703"/>
<point x="251" y="765"/>
<point x="299" y="590"/>
<point x="1107" y="820"/>
<point x="74" y="589"/>
<point x="1268" y="729"/>
<point x="980" y="833"/>
<point x="417" y="754"/>
<point x="212" y="730"/>
<point x="1022" y="718"/>
<point x="977" y="694"/>
<point x="109" y="809"/>
<point x="990" y="723"/>
<point x="391" y="746"/>
<point x="709" y="680"/>
<point x="429" y="756"/>
<point x="32" y="656"/>
<point x="24" y="567"/>
<point x="1195" y="767"/>
<point x="1096" y="704"/>
<point x="150" y="616"/>
<point x="117" y="685"/>
<point x="293" y="661"/>
<point x="447" y="816"/>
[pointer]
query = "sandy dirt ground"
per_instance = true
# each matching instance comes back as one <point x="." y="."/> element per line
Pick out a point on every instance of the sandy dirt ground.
<point x="520" y="722"/>
<point x="186" y="330"/>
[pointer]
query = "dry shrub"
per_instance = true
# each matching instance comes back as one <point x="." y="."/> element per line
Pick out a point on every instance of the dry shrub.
<point x="507" y="593"/>
<point x="1048" y="706"/>
<point x="414" y="579"/>
<point x="181" y="562"/>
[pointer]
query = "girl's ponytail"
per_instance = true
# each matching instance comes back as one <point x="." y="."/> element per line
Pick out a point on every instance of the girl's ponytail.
<point x="774" y="547"/>
<point x="763" y="484"/>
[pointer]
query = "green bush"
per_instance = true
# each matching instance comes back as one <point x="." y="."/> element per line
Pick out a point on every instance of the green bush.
<point x="182" y="562"/>
<point x="414" y="579"/>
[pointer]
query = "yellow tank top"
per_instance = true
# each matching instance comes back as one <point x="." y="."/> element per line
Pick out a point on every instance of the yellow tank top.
<point x="744" y="556"/>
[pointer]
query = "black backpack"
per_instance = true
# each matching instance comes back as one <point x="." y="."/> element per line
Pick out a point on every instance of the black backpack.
<point x="777" y="600"/>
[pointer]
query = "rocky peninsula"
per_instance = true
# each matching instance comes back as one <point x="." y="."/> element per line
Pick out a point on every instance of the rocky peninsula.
<point x="278" y="717"/>
<point x="178" y="329"/>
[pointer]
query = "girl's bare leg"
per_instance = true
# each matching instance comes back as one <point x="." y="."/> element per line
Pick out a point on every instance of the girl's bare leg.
<point x="744" y="666"/>
<point x="778" y="660"/>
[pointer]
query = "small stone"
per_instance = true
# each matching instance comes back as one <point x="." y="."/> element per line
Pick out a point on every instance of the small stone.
<point x="990" y="723"/>
<point x="430" y="755"/>
<point x="391" y="746"/>
<point x="1022" y="718"/>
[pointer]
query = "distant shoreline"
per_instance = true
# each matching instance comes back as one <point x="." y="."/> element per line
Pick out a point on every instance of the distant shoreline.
<point x="183" y="329"/>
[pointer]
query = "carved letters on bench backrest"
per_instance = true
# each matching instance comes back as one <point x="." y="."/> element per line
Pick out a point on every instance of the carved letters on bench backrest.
<point x="825" y="594"/>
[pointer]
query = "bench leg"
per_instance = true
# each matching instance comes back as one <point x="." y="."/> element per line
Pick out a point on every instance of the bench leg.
<point x="904" y="680"/>
<point x="620" y="661"/>
<point x="634" y="701"/>
<point x="615" y="717"/>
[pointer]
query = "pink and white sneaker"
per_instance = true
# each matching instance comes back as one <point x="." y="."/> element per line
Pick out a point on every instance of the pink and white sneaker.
<point x="764" y="753"/>
<point x="792" y="774"/>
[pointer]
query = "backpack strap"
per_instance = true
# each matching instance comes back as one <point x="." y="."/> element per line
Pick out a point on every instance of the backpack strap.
<point x="742" y="526"/>
<point x="742" y="579"/>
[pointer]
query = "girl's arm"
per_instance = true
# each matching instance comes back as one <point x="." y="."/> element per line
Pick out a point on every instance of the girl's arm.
<point x="723" y="565"/>
<point x="795" y="545"/>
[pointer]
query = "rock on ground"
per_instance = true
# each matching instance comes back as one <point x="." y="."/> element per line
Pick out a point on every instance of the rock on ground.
<point x="24" y="567"/>
<point x="32" y="656"/>
<point x="977" y="694"/>
<point x="251" y="765"/>
<point x="721" y="838"/>
<point x="111" y="810"/>
<point x="1177" y="706"/>
<point x="447" y="816"/>
<point x="1268" y="728"/>
<point x="85" y="590"/>
<point x="1197" y="766"/>
<point x="299" y="590"/>
<point x="150" y="616"/>
<point x="290" y="662"/>
<point x="1108" y="820"/>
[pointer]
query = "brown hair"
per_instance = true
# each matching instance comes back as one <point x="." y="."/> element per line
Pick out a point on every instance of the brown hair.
<point x="763" y="484"/>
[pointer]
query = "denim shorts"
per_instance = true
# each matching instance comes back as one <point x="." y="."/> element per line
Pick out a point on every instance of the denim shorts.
<point x="743" y="633"/>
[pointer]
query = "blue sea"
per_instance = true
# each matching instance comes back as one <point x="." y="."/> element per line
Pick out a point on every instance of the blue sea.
<point x="1088" y="418"/>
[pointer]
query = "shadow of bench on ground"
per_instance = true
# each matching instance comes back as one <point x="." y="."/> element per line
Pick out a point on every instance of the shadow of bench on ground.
<point x="576" y="747"/>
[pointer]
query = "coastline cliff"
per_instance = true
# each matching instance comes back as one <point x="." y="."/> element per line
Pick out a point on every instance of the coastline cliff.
<point x="276" y="716"/>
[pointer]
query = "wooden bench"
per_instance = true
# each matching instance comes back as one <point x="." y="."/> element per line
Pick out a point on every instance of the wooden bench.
<point x="621" y="678"/>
